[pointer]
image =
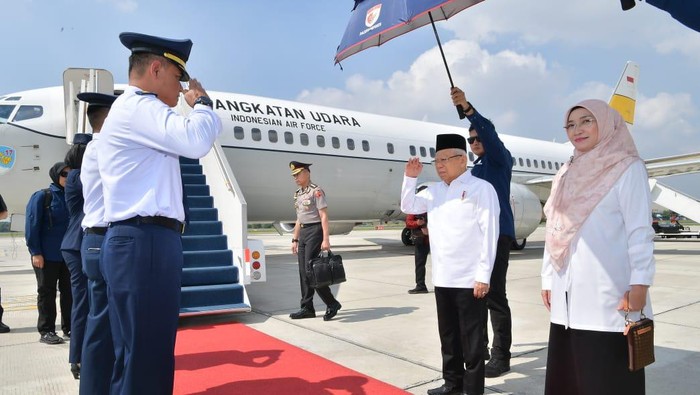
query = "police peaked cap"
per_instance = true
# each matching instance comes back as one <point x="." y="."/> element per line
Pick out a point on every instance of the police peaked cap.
<point x="95" y="99"/>
<point x="82" y="138"/>
<point x="297" y="167"/>
<point x="177" y="51"/>
<point x="444" y="141"/>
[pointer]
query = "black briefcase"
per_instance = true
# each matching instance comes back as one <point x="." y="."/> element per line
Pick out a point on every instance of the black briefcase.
<point x="326" y="269"/>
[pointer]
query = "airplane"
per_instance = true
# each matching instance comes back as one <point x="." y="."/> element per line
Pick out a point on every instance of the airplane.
<point x="358" y="158"/>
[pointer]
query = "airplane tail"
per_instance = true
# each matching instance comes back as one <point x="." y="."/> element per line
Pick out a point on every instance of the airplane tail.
<point x="624" y="98"/>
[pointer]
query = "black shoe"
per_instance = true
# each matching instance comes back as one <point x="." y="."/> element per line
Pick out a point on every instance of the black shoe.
<point x="4" y="328"/>
<point x="75" y="369"/>
<point x="445" y="390"/>
<point x="418" y="290"/>
<point x="487" y="355"/>
<point x="496" y="367"/>
<point x="332" y="311"/>
<point x="50" y="338"/>
<point x="303" y="313"/>
<point x="66" y="335"/>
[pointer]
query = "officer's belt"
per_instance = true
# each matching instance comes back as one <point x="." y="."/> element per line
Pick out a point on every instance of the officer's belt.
<point x="96" y="230"/>
<point x="166" y="222"/>
<point x="309" y="225"/>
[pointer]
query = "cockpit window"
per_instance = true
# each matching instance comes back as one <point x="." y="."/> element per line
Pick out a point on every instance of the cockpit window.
<point x="13" y="98"/>
<point x="5" y="112"/>
<point x="28" y="112"/>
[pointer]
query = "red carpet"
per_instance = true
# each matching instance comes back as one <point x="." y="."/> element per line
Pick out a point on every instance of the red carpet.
<point x="235" y="359"/>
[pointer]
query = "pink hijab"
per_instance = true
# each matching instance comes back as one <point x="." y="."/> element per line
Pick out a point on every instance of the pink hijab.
<point x="582" y="182"/>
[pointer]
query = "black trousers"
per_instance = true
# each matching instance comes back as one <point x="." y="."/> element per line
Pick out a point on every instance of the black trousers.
<point x="46" y="279"/>
<point x="1" y="309"/>
<point x="497" y="304"/>
<point x="309" y="246"/>
<point x="461" y="338"/>
<point x="421" y="250"/>
<point x="583" y="362"/>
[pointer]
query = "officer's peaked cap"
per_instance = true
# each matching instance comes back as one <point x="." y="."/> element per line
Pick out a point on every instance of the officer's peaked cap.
<point x="444" y="141"/>
<point x="95" y="99"/>
<point x="177" y="51"/>
<point x="297" y="167"/>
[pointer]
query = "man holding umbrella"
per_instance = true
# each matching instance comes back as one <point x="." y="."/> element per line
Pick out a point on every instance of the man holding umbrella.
<point x="494" y="164"/>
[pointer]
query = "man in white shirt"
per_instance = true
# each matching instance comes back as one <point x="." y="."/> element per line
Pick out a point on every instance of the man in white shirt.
<point x="138" y="159"/>
<point x="463" y="228"/>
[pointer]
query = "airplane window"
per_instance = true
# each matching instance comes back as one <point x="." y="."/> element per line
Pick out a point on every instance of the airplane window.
<point x="335" y="142"/>
<point x="520" y="160"/>
<point x="528" y="162"/>
<point x="13" y="98"/>
<point x="272" y="136"/>
<point x="543" y="166"/>
<point x="365" y="145"/>
<point x="535" y="163"/>
<point x="288" y="138"/>
<point x="423" y="152"/>
<point x="255" y="133"/>
<point x="238" y="133"/>
<point x="351" y="144"/>
<point x="432" y="152"/>
<point x="28" y="112"/>
<point x="549" y="164"/>
<point x="320" y="141"/>
<point x="390" y="148"/>
<point x="304" y="138"/>
<point x="471" y="156"/>
<point x="5" y="112"/>
<point x="412" y="149"/>
<point x="556" y="164"/>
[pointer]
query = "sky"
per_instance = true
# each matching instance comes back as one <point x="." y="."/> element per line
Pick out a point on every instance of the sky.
<point x="521" y="63"/>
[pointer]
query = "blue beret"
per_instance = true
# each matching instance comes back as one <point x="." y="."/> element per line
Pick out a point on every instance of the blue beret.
<point x="177" y="51"/>
<point x="95" y="99"/>
<point x="82" y="138"/>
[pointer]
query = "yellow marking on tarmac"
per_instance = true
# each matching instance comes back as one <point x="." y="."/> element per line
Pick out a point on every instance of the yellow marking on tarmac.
<point x="19" y="303"/>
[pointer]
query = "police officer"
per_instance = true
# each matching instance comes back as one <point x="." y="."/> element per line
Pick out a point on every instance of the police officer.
<point x="142" y="258"/>
<point x="70" y="248"/>
<point x="98" y="352"/>
<point x="311" y="235"/>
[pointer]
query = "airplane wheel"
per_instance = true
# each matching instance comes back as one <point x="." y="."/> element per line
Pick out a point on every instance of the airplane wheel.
<point x="518" y="246"/>
<point x="406" y="237"/>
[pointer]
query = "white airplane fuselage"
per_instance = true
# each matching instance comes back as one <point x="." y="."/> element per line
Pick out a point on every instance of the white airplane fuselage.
<point x="358" y="158"/>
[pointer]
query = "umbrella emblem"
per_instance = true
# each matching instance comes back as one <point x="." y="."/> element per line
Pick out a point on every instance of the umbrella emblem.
<point x="373" y="15"/>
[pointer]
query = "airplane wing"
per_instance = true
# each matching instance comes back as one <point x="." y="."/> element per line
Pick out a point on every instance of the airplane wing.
<point x="673" y="165"/>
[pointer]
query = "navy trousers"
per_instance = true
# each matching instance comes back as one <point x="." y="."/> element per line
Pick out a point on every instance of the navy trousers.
<point x="98" y="350"/>
<point x="143" y="269"/>
<point x="79" y="312"/>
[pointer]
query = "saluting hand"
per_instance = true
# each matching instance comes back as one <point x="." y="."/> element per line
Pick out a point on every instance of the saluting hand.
<point x="413" y="167"/>
<point x="195" y="90"/>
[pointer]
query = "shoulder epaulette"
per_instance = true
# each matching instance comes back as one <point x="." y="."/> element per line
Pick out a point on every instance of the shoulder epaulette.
<point x="313" y="186"/>
<point x="145" y="93"/>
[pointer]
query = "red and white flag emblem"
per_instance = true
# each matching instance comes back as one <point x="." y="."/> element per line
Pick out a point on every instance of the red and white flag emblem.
<point x="373" y="15"/>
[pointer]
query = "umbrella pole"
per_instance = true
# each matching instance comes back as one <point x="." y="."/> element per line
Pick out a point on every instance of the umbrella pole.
<point x="460" y="110"/>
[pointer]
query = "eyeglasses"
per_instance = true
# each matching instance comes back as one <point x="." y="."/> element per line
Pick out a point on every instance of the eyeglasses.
<point x="472" y="139"/>
<point x="586" y="123"/>
<point x="445" y="160"/>
<point x="64" y="173"/>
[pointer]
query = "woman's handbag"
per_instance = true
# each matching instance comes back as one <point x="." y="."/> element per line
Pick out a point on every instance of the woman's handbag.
<point x="326" y="269"/>
<point x="640" y="341"/>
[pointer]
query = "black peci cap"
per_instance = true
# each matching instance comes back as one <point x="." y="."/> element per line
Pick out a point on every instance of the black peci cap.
<point x="297" y="167"/>
<point x="444" y="141"/>
<point x="177" y="51"/>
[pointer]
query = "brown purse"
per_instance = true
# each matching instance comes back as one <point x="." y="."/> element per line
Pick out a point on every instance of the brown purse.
<point x="640" y="341"/>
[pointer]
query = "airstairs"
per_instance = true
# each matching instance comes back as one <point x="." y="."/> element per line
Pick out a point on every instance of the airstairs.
<point x="674" y="200"/>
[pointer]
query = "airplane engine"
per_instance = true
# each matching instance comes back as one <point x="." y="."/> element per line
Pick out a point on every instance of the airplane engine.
<point x="527" y="213"/>
<point x="336" y="228"/>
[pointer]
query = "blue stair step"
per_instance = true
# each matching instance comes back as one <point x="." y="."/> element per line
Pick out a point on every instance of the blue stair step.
<point x="204" y="228"/>
<point x="188" y="161"/>
<point x="200" y="201"/>
<point x="208" y="258"/>
<point x="203" y="214"/>
<point x="189" y="179"/>
<point x="206" y="295"/>
<point x="222" y="308"/>
<point x="209" y="275"/>
<point x="204" y="242"/>
<point x="190" y="169"/>
<point x="197" y="190"/>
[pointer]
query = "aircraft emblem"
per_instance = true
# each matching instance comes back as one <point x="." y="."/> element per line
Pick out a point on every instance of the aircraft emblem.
<point x="7" y="158"/>
<point x="373" y="15"/>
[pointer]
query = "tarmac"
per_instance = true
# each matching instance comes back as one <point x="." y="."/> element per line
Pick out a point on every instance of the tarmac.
<point x="381" y="330"/>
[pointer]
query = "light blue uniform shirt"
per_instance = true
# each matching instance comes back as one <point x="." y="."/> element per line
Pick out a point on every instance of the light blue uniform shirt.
<point x="138" y="155"/>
